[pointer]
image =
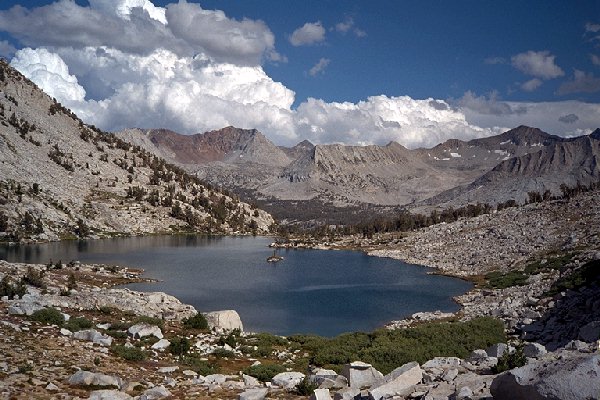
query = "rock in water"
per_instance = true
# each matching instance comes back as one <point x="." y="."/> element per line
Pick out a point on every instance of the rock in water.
<point x="226" y="320"/>
<point x="574" y="377"/>
<point x="360" y="374"/>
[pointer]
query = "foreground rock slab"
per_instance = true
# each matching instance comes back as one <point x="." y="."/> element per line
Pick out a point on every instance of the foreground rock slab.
<point x="360" y="374"/>
<point x="399" y="382"/>
<point x="572" y="377"/>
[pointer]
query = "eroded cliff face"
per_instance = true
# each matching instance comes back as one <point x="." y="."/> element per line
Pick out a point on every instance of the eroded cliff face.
<point x="61" y="178"/>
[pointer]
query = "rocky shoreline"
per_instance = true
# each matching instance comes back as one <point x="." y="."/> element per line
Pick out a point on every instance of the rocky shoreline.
<point x="44" y="360"/>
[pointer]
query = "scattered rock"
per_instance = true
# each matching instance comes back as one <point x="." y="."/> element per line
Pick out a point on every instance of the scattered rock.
<point x="443" y="362"/>
<point x="320" y="394"/>
<point x="92" y="335"/>
<point x="87" y="378"/>
<point x="360" y="374"/>
<point x="287" y="380"/>
<point x="534" y="350"/>
<point x="399" y="382"/>
<point x="143" y="330"/>
<point x="161" y="345"/>
<point x="109" y="395"/>
<point x="155" y="393"/>
<point x="254" y="394"/>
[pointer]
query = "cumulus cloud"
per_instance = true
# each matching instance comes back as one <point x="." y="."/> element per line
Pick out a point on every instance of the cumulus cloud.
<point x="590" y="27"/>
<point x="50" y="72"/>
<point x="137" y="26"/>
<point x="117" y="64"/>
<point x="581" y="82"/>
<point x="569" y="118"/>
<point x="531" y="85"/>
<point x="539" y="64"/>
<point x="319" y="67"/>
<point x="381" y="119"/>
<point x="309" y="33"/>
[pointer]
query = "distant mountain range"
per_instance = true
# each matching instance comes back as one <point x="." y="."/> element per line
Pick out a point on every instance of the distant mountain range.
<point x="454" y="173"/>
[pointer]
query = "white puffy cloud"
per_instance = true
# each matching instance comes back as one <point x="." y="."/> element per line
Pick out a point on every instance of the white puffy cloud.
<point x="537" y="63"/>
<point x="50" y="72"/>
<point x="381" y="119"/>
<point x="137" y="26"/>
<point x="319" y="67"/>
<point x="531" y="85"/>
<point x="122" y="8"/>
<point x="309" y="33"/>
<point x="580" y="83"/>
<point x="120" y="64"/>
<point x="345" y="26"/>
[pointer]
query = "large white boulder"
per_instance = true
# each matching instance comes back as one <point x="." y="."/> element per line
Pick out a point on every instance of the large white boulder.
<point x="572" y="377"/>
<point x="92" y="335"/>
<point x="399" y="382"/>
<point x="87" y="378"/>
<point x="360" y="374"/>
<point x="224" y="321"/>
<point x="287" y="380"/>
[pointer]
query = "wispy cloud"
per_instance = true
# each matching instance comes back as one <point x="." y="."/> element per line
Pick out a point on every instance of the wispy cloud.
<point x="319" y="67"/>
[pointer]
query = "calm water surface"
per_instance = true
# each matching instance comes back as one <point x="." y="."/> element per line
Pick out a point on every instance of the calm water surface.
<point x="311" y="291"/>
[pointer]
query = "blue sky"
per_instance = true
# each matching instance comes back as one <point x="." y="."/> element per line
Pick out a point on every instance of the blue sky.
<point x="493" y="64"/>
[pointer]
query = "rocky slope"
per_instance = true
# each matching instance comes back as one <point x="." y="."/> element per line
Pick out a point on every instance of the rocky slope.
<point x="61" y="178"/>
<point x="455" y="173"/>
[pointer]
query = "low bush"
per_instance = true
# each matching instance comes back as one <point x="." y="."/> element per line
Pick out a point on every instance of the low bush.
<point x="201" y="367"/>
<point x="579" y="277"/>
<point x="77" y="324"/>
<point x="179" y="346"/>
<point x="48" y="316"/>
<point x="129" y="353"/>
<point x="7" y="288"/>
<point x="510" y="360"/>
<point x="144" y="319"/>
<point x="503" y="280"/>
<point x="34" y="278"/>
<point x="305" y="387"/>
<point x="198" y="321"/>
<point x="222" y="353"/>
<point x="264" y="372"/>
<point x="389" y="349"/>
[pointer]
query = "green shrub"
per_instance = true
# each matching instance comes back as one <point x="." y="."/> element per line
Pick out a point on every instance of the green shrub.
<point x="144" y="319"/>
<point x="198" y="321"/>
<point x="500" y="280"/>
<point x="389" y="349"/>
<point x="510" y="360"/>
<point x="129" y="353"/>
<point x="34" y="278"/>
<point x="266" y="339"/>
<point x="179" y="346"/>
<point x="79" y="323"/>
<point x="229" y="340"/>
<point x="305" y="387"/>
<point x="201" y="367"/>
<point x="222" y="353"/>
<point x="48" y="316"/>
<point x="7" y="288"/>
<point x="264" y="372"/>
<point x="582" y="276"/>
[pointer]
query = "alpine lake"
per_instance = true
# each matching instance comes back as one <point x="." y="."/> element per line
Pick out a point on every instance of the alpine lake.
<point x="322" y="292"/>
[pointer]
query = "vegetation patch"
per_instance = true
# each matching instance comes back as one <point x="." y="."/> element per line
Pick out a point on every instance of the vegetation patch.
<point x="389" y="349"/>
<point x="179" y="346"/>
<point x="48" y="316"/>
<point x="198" y="321"/>
<point x="78" y="324"/>
<point x="144" y="319"/>
<point x="199" y="366"/>
<point x="129" y="353"/>
<point x="510" y="360"/>
<point x="264" y="372"/>
<point x="503" y="280"/>
<point x="582" y="276"/>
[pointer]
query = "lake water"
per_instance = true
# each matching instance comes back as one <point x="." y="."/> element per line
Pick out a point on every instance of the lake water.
<point x="310" y="291"/>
